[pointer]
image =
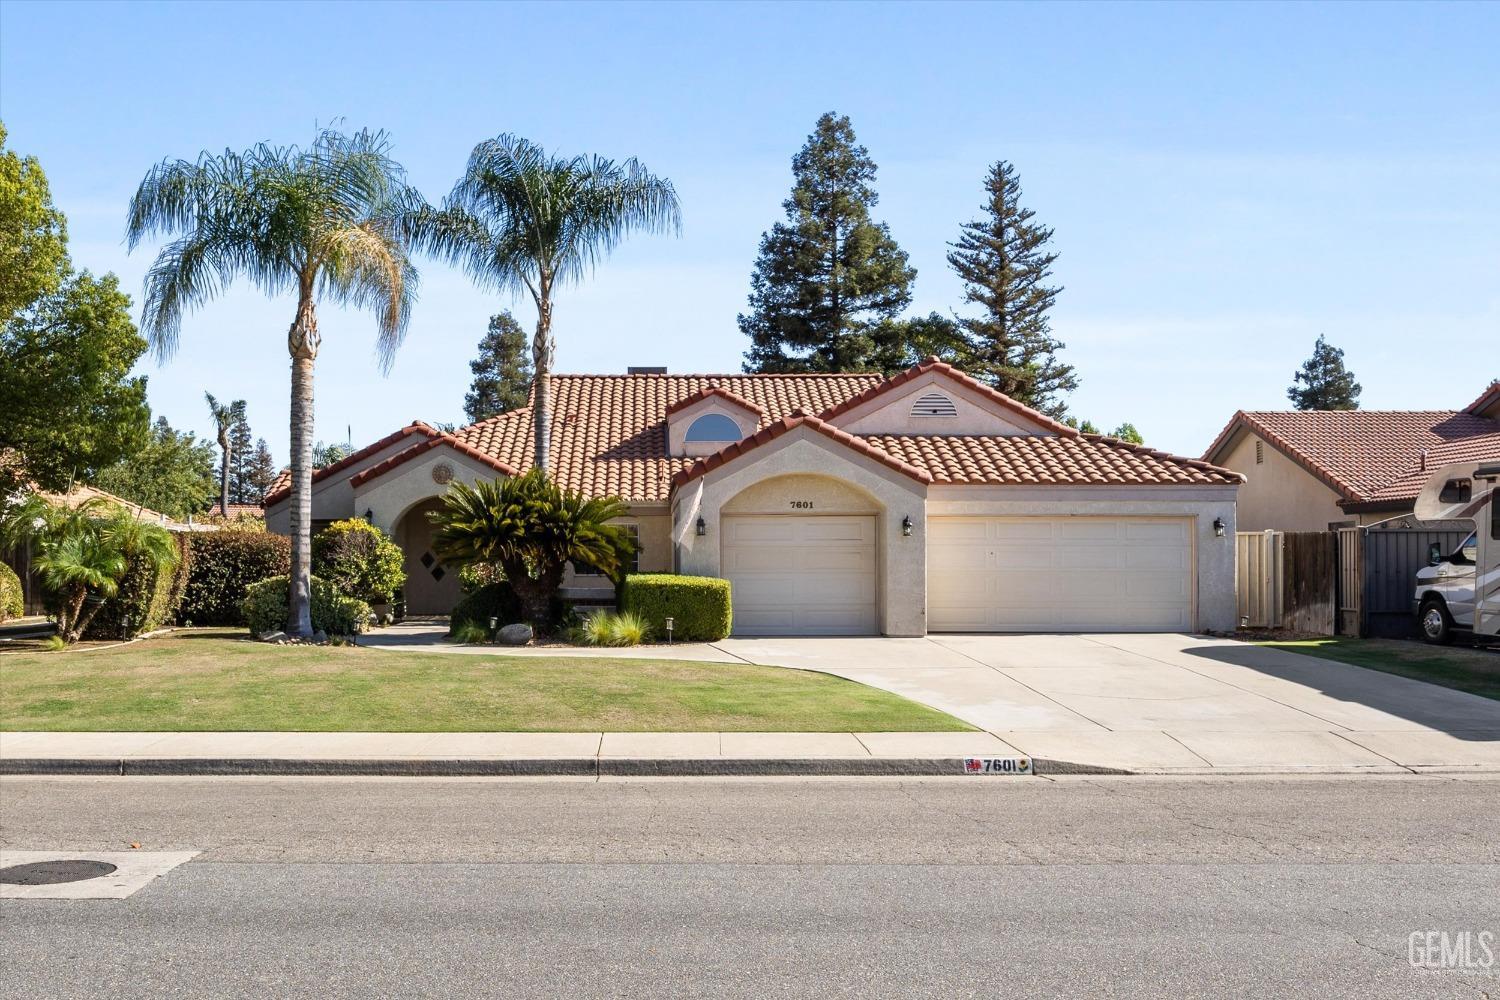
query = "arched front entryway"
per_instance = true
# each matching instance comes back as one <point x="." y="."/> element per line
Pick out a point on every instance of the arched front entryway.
<point x="432" y="587"/>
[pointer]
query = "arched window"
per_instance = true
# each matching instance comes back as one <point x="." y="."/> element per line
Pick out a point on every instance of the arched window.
<point x="713" y="427"/>
<point x="934" y="404"/>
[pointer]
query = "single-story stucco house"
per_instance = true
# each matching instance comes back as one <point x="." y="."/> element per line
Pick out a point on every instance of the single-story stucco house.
<point x="1313" y="470"/>
<point x="840" y="504"/>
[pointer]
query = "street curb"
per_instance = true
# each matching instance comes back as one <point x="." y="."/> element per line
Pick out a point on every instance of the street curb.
<point x="503" y="767"/>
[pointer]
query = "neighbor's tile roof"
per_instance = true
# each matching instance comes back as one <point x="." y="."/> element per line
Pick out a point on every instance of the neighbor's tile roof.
<point x="282" y="487"/>
<point x="1405" y="487"/>
<point x="1034" y="460"/>
<point x="1362" y="454"/>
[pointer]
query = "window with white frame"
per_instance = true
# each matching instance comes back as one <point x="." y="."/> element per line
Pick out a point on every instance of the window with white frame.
<point x="713" y="427"/>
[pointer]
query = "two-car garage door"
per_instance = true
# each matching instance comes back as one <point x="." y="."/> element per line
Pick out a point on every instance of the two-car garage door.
<point x="1077" y="574"/>
<point x="801" y="575"/>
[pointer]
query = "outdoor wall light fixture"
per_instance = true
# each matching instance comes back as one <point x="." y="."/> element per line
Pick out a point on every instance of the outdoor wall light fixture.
<point x="702" y="528"/>
<point x="906" y="526"/>
<point x="1218" y="527"/>
<point x="369" y="515"/>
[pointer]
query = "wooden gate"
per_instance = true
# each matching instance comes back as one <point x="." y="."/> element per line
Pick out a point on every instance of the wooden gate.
<point x="1309" y="581"/>
<point x="1257" y="578"/>
<point x="1351" y="581"/>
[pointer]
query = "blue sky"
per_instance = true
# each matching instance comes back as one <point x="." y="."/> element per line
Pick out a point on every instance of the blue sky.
<point x="1226" y="182"/>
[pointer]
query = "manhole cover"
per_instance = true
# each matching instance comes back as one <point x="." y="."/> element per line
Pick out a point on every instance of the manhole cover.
<point x="53" y="872"/>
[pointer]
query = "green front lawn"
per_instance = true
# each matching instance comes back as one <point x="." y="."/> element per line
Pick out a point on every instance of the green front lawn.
<point x="1476" y="671"/>
<point x="215" y="680"/>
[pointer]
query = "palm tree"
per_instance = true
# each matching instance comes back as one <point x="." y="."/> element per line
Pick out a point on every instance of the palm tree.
<point x="530" y="528"/>
<point x="521" y="218"/>
<point x="224" y="417"/>
<point x="320" y="222"/>
<point x="82" y="553"/>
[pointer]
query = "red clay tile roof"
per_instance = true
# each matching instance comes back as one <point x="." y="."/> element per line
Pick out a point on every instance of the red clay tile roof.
<point x="282" y="487"/>
<point x="237" y="509"/>
<point x="932" y="364"/>
<point x="1403" y="489"/>
<point x="1044" y="460"/>
<point x="711" y="392"/>
<point x="1359" y="453"/>
<point x="609" y="432"/>
<point x="786" y="424"/>
<point x="421" y="447"/>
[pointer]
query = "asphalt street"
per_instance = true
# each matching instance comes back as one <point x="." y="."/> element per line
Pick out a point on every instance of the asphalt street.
<point x="1129" y="887"/>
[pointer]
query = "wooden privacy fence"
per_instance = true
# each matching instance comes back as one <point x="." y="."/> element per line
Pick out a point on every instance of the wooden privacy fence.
<point x="1287" y="580"/>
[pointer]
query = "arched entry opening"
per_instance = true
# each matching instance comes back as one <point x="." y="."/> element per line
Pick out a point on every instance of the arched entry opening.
<point x="432" y="586"/>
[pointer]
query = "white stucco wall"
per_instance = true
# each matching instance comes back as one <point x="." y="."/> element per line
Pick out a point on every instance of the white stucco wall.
<point x="1214" y="555"/>
<point x="774" y="472"/>
<point x="391" y="495"/>
<point x="1279" y="493"/>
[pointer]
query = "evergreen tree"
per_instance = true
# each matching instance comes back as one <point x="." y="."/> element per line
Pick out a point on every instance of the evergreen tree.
<point x="261" y="474"/>
<point x="1127" y="432"/>
<point x="1323" y="383"/>
<point x="828" y="275"/>
<point x="903" y="343"/>
<point x="173" y="473"/>
<point x="502" y="371"/>
<point x="1004" y="263"/>
<point x="241" y="460"/>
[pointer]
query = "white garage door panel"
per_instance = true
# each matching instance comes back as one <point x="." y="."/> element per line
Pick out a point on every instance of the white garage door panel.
<point x="801" y="575"/>
<point x="1018" y="574"/>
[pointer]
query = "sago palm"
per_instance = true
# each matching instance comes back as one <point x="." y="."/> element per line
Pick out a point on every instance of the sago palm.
<point x="521" y="218"/>
<point x="225" y="416"/>
<point x="318" y="222"/>
<point x="530" y="528"/>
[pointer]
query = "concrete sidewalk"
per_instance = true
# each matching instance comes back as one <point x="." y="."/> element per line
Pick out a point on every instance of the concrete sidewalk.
<point x="503" y="753"/>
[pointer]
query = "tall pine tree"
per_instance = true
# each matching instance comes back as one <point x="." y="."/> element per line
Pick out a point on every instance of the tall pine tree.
<point x="241" y="455"/>
<point x="261" y="474"/>
<point x="828" y="276"/>
<point x="502" y="371"/>
<point x="1004" y="262"/>
<point x="1323" y="383"/>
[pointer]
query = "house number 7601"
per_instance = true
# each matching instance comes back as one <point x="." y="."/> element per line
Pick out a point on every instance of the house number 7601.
<point x="802" y="505"/>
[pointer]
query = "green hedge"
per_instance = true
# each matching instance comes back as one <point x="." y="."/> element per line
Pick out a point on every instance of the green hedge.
<point x="12" y="604"/>
<point x="266" y="601"/>
<point x="147" y="599"/>
<point x="700" y="605"/>
<point x="223" y="565"/>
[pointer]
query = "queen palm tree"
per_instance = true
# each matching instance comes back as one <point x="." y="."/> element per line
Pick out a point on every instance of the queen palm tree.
<point x="225" y="416"/>
<point x="521" y="218"/>
<point x="319" y="222"/>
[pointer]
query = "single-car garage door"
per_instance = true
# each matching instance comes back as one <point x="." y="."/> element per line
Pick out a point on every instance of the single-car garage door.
<point x="1059" y="574"/>
<point x="795" y="575"/>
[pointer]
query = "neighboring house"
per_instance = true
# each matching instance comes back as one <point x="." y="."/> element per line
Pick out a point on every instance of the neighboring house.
<point x="1317" y="469"/>
<point x="840" y="504"/>
<point x="238" y="510"/>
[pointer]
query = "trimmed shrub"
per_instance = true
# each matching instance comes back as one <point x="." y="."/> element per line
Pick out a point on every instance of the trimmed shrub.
<point x="223" y="565"/>
<point x="359" y="559"/>
<point x="266" y="601"/>
<point x="700" y="605"/>
<point x="12" y="603"/>
<point x="147" y="599"/>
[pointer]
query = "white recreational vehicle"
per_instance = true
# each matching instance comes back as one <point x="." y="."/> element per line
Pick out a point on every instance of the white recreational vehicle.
<point x="1461" y="589"/>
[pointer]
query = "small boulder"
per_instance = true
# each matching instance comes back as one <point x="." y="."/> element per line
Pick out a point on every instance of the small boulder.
<point x="516" y="635"/>
<point x="272" y="636"/>
<point x="319" y="638"/>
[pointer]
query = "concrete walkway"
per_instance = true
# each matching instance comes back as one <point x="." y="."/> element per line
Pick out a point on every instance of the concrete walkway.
<point x="1158" y="703"/>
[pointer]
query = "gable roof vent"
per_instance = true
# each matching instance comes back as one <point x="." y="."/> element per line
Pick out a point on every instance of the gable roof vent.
<point x="934" y="404"/>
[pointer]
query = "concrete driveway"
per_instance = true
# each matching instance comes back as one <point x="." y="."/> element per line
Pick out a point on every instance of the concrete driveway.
<point x="1164" y="702"/>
